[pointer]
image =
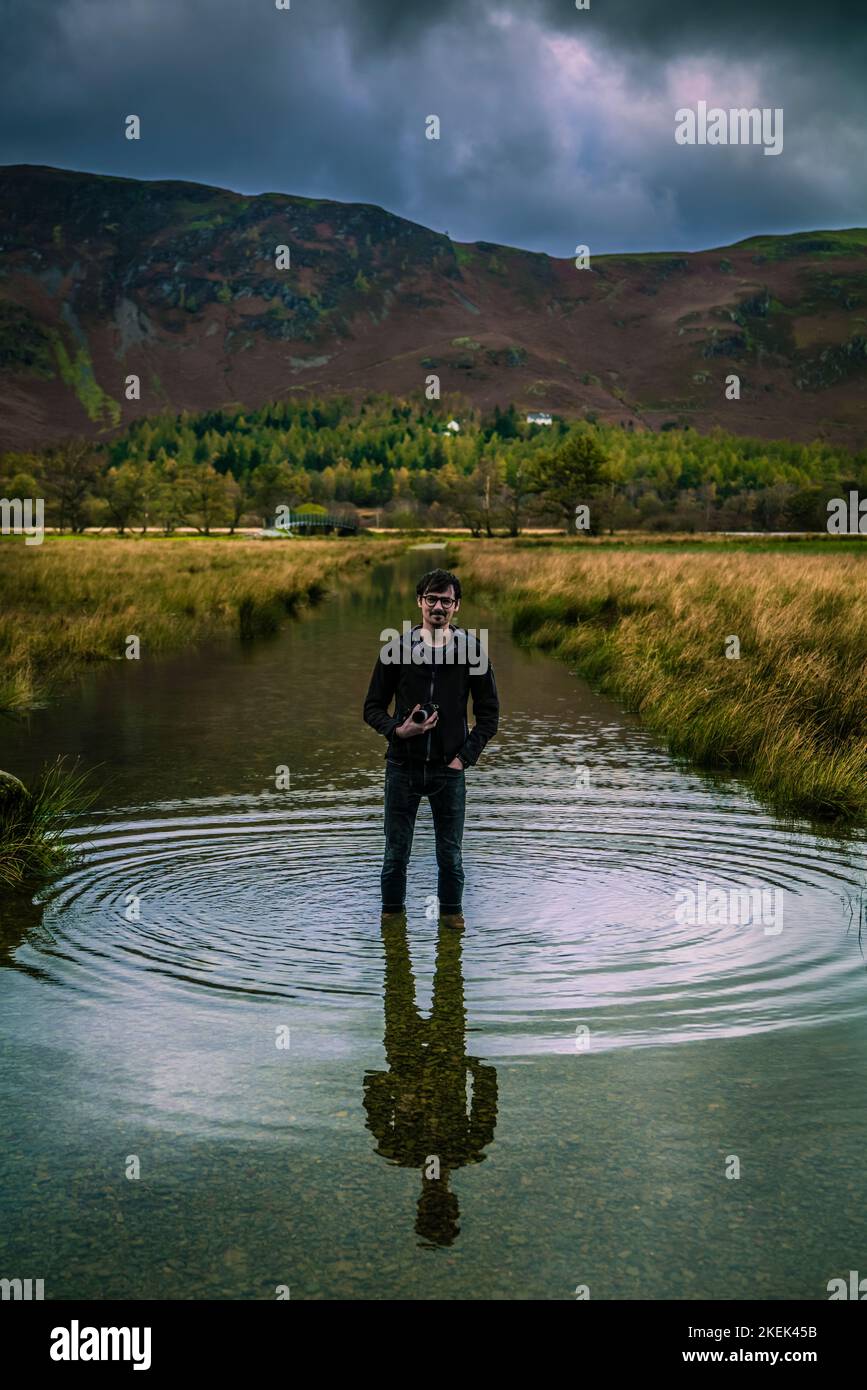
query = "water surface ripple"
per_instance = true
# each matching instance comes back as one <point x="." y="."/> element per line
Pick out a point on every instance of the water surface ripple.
<point x="571" y="903"/>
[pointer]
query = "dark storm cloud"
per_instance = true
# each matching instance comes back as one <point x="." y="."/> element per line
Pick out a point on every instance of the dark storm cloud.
<point x="659" y="27"/>
<point x="557" y="124"/>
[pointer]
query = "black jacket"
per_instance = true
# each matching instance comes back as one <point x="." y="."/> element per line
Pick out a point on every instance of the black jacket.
<point x="411" y="672"/>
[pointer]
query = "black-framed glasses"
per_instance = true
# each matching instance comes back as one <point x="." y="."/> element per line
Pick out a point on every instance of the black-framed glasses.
<point x="433" y="599"/>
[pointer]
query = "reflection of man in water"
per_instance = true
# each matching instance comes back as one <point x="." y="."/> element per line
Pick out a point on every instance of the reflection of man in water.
<point x="421" y="1110"/>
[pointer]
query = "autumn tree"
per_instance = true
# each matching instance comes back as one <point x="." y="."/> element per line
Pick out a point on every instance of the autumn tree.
<point x="204" y="496"/>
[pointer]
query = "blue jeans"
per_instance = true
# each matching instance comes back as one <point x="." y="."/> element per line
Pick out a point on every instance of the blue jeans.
<point x="445" y="787"/>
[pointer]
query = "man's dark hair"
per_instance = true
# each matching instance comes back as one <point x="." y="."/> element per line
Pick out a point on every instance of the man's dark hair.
<point x="438" y="580"/>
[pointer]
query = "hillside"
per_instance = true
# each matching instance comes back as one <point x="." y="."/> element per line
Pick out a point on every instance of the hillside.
<point x="103" y="277"/>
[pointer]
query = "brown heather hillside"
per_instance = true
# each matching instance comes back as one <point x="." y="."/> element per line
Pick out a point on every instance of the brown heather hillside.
<point x="103" y="277"/>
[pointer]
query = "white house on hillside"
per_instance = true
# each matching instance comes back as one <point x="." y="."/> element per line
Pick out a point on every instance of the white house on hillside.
<point x="539" y="417"/>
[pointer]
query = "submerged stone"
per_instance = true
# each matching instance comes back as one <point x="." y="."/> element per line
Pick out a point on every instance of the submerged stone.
<point x="13" y="792"/>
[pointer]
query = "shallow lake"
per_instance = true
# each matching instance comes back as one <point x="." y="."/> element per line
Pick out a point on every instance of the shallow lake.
<point x="210" y="992"/>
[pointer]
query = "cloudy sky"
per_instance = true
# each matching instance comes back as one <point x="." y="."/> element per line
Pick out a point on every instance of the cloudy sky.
<point x="557" y="124"/>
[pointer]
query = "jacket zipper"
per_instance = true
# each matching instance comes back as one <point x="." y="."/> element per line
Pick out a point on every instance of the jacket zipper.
<point x="430" y="698"/>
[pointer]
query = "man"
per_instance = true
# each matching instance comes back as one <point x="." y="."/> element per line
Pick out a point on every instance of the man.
<point x="435" y="664"/>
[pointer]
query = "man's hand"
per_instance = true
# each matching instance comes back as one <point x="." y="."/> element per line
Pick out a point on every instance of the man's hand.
<point x="408" y="729"/>
<point x="457" y="764"/>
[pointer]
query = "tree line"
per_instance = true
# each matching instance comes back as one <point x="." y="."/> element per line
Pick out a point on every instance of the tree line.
<point x="228" y="469"/>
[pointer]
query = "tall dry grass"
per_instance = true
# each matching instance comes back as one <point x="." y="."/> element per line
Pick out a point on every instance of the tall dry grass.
<point x="791" y="712"/>
<point x="68" y="603"/>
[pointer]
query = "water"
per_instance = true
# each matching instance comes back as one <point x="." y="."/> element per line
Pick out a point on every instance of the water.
<point x="209" y="1000"/>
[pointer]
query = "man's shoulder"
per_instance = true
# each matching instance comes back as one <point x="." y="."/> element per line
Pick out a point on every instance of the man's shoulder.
<point x="472" y="640"/>
<point x="396" y="645"/>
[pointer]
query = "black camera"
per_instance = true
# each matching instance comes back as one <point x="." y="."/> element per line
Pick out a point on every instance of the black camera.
<point x="418" y="716"/>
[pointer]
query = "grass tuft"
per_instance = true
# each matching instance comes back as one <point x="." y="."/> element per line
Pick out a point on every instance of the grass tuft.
<point x="32" y="843"/>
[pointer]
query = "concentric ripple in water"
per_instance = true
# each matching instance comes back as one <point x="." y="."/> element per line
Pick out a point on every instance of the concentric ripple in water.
<point x="571" y="902"/>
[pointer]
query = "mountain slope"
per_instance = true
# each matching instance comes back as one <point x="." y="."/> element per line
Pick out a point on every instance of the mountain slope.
<point x="104" y="277"/>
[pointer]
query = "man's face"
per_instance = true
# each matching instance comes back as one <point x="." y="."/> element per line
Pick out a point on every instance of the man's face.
<point x="439" y="606"/>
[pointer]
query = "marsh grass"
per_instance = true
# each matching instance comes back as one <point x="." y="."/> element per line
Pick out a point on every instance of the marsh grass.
<point x="651" y="628"/>
<point x="65" y="605"/>
<point x="32" y="843"/>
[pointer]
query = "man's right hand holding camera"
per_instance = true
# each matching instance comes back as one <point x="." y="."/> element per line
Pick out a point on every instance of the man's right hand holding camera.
<point x="408" y="729"/>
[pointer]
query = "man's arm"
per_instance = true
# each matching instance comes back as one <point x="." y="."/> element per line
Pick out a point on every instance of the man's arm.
<point x="381" y="691"/>
<point x="483" y="1111"/>
<point x="486" y="712"/>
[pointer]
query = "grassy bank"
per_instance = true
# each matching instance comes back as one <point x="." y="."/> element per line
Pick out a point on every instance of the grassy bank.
<point x="651" y="628"/>
<point x="68" y="603"/>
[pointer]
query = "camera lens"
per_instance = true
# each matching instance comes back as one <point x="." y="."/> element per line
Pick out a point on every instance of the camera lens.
<point x="420" y="715"/>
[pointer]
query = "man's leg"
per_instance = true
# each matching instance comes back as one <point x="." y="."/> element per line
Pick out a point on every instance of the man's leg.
<point x="401" y="806"/>
<point x="448" y="804"/>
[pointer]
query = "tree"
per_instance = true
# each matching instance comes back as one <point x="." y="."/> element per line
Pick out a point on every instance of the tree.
<point x="609" y="508"/>
<point x="19" y="474"/>
<point x="164" y="501"/>
<point x="771" y="509"/>
<point x="486" y="481"/>
<point x="153" y="486"/>
<point x="272" y="487"/>
<point x="240" y="496"/>
<point x="20" y="485"/>
<point x="124" y="494"/>
<point x="505" y="423"/>
<point x="462" y="496"/>
<point x="807" y="509"/>
<point x="204" y="497"/>
<point x="570" y="475"/>
<point x="72" y="475"/>
<point x="517" y="490"/>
